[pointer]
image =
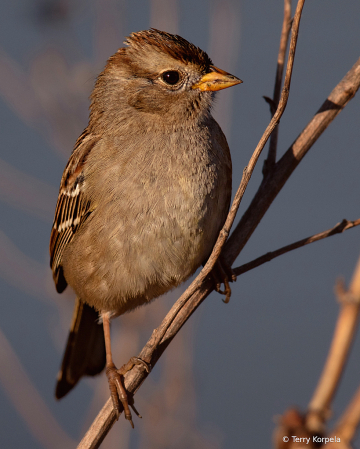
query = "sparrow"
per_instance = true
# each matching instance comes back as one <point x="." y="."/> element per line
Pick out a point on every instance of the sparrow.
<point x="143" y="196"/>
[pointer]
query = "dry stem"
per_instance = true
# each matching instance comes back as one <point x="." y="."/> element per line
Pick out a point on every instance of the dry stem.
<point x="318" y="410"/>
<point x="339" y="228"/>
<point x="275" y="180"/>
<point x="285" y="32"/>
<point x="159" y="333"/>
<point x="340" y="96"/>
<point x="202" y="285"/>
<point x="349" y="421"/>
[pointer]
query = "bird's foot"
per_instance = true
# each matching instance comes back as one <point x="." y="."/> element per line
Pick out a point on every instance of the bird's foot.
<point x="223" y="274"/>
<point x="131" y="363"/>
<point x="117" y="389"/>
<point x="118" y="393"/>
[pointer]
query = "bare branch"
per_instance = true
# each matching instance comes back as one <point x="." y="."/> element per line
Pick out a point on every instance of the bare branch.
<point x="349" y="421"/>
<point x="202" y="285"/>
<point x="318" y="410"/>
<point x="134" y="378"/>
<point x="285" y="32"/>
<point x="248" y="171"/>
<point x="271" y="185"/>
<point x="337" y="100"/>
<point x="338" y="229"/>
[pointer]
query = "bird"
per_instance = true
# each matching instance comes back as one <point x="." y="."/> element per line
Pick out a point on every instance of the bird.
<point x="143" y="196"/>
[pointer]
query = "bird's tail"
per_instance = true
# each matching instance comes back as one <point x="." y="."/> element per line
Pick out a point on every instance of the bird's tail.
<point x="85" y="349"/>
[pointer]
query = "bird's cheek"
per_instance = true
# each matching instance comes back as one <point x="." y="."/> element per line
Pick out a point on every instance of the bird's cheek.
<point x="146" y="102"/>
<point x="153" y="100"/>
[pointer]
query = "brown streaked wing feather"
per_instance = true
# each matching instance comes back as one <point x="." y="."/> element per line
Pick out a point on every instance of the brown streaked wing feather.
<point x="72" y="207"/>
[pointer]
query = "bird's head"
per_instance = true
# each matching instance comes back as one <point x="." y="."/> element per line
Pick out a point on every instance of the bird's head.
<point x="160" y="74"/>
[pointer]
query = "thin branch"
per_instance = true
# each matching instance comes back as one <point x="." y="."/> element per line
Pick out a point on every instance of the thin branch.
<point x="344" y="91"/>
<point x="201" y="286"/>
<point x="349" y="421"/>
<point x="248" y="171"/>
<point x="285" y="32"/>
<point x="338" y="99"/>
<point x="291" y="424"/>
<point x="338" y="229"/>
<point x="195" y="285"/>
<point x="134" y="378"/>
<point x="318" y="410"/>
<point x="271" y="185"/>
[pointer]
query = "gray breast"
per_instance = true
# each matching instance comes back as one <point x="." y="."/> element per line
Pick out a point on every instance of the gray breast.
<point x="158" y="210"/>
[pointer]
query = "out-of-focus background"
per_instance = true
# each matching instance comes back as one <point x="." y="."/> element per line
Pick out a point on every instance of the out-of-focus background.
<point x="233" y="367"/>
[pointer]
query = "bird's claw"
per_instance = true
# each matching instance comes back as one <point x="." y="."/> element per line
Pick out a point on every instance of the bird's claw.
<point x="223" y="274"/>
<point x="118" y="393"/>
<point x="117" y="389"/>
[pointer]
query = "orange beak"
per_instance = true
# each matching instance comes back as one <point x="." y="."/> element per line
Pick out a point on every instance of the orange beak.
<point x="217" y="79"/>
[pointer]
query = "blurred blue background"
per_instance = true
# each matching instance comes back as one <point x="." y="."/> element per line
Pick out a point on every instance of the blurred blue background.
<point x="233" y="368"/>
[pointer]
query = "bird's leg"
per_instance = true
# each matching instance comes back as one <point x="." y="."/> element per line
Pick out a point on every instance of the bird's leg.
<point x="117" y="389"/>
<point x="223" y="273"/>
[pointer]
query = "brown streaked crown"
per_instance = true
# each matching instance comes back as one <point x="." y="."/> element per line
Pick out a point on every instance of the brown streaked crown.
<point x="176" y="46"/>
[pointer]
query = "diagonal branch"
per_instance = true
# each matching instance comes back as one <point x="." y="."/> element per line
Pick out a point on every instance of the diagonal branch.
<point x="218" y="247"/>
<point x="312" y="424"/>
<point x="338" y="229"/>
<point x="318" y="410"/>
<point x="348" y="422"/>
<point x="182" y="310"/>
<point x="274" y="182"/>
<point x="203" y="286"/>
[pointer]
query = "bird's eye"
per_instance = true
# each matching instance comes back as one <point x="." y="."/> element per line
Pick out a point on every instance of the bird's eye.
<point x="171" y="77"/>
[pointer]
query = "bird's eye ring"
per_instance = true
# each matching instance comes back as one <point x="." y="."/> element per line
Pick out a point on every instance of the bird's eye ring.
<point x="171" y="77"/>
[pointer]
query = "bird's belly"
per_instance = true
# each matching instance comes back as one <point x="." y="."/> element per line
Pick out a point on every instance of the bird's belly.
<point x="159" y="230"/>
<point x="141" y="258"/>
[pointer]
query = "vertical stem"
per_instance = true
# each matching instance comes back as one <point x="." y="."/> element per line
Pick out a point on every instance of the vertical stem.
<point x="284" y="39"/>
<point x="339" y="350"/>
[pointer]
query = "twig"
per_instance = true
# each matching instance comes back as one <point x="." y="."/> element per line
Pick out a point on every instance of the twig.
<point x="313" y="423"/>
<point x="173" y="322"/>
<point x="201" y="286"/>
<point x="160" y="332"/>
<point x="348" y="423"/>
<point x="338" y="229"/>
<point x="342" y="94"/>
<point x="272" y="185"/>
<point x="285" y="32"/>
<point x="318" y="410"/>
<point x="134" y="378"/>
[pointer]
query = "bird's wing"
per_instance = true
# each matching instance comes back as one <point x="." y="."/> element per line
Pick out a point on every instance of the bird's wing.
<point x="72" y="207"/>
